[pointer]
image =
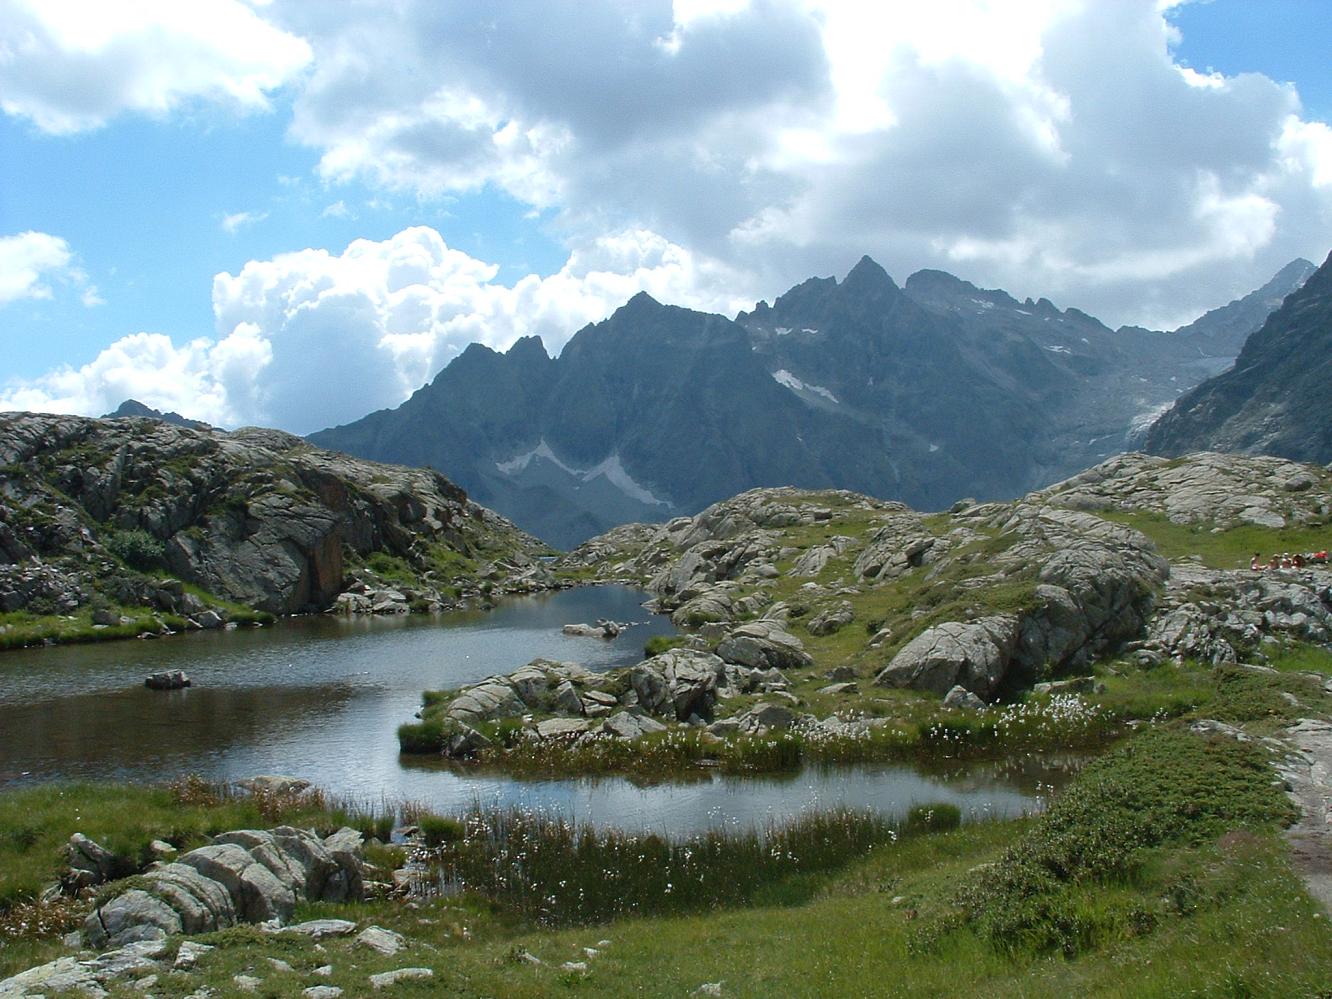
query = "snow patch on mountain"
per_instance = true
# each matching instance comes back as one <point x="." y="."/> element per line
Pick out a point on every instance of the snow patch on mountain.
<point x="784" y="377"/>
<point x="611" y="469"/>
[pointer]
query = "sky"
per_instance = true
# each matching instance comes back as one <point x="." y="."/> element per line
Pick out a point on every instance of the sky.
<point x="290" y="213"/>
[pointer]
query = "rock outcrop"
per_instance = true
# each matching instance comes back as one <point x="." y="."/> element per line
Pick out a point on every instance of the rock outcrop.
<point x="257" y="517"/>
<point x="246" y="876"/>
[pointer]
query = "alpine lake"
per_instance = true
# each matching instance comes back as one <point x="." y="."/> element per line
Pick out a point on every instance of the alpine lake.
<point x="321" y="698"/>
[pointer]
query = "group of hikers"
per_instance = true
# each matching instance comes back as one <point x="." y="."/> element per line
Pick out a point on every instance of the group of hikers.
<point x="1285" y="560"/>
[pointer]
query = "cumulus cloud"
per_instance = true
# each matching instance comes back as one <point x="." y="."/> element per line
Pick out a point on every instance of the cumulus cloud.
<point x="191" y="379"/>
<point x="29" y="261"/>
<point x="71" y="65"/>
<point x="310" y="339"/>
<point x="1053" y="147"/>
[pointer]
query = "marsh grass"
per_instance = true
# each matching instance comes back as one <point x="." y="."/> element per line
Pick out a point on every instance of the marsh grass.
<point x="554" y="872"/>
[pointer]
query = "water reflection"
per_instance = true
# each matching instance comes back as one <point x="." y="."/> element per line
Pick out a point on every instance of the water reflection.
<point x="322" y="697"/>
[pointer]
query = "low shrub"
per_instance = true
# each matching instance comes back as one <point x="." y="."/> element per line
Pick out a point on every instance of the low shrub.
<point x="136" y="548"/>
<point x="1055" y="889"/>
<point x="658" y="644"/>
<point x="422" y="738"/>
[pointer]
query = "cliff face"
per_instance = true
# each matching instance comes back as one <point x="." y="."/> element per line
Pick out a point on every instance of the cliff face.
<point x="1276" y="398"/>
<point x="257" y="517"/>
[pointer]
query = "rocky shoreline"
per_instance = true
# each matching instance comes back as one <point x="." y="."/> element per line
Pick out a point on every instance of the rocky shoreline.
<point x="130" y="527"/>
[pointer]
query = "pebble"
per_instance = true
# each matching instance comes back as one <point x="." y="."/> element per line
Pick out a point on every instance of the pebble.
<point x="321" y="992"/>
<point x="247" y="983"/>
<point x="279" y="964"/>
<point x="324" y="970"/>
<point x="577" y="966"/>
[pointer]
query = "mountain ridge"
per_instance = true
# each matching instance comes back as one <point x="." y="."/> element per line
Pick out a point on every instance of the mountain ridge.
<point x="924" y="392"/>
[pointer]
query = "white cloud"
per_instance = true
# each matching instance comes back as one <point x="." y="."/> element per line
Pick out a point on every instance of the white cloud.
<point x="71" y="65"/>
<point x="310" y="339"/>
<point x="190" y="379"/>
<point x="232" y="224"/>
<point x="337" y="210"/>
<point x="30" y="261"/>
<point x="1054" y="146"/>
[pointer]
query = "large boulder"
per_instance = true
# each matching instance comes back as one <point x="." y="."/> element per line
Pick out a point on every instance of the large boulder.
<point x="764" y="644"/>
<point x="972" y="654"/>
<point x="678" y="683"/>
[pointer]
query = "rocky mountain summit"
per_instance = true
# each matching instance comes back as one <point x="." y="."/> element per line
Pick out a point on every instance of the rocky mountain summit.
<point x="100" y="519"/>
<point x="804" y="610"/>
<point x="1275" y="400"/>
<point x="926" y="392"/>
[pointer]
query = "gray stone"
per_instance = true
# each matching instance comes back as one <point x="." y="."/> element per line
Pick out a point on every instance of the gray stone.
<point x="187" y="956"/>
<point x="832" y="619"/>
<point x="960" y="697"/>
<point x="762" y="645"/>
<point x="838" y="689"/>
<point x="390" y="978"/>
<point x="321" y="992"/>
<point x="380" y="940"/>
<point x="65" y="974"/>
<point x="321" y="929"/>
<point x="973" y="654"/>
<point x="562" y="728"/>
<point x="130" y="916"/>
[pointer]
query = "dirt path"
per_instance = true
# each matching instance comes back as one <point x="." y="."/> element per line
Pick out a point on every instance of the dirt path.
<point x="1308" y="771"/>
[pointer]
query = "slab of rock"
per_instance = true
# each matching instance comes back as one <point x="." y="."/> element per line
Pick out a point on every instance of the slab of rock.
<point x="89" y="864"/>
<point x="562" y="728"/>
<point x="765" y="717"/>
<point x="381" y="941"/>
<point x="832" y="619"/>
<point x="678" y="683"/>
<point x="624" y="725"/>
<point x="389" y="978"/>
<point x="65" y="974"/>
<point x="320" y="929"/>
<point x="838" y="689"/>
<point x="972" y="654"/>
<point x="244" y="876"/>
<point x="764" y="644"/>
<point x="321" y="992"/>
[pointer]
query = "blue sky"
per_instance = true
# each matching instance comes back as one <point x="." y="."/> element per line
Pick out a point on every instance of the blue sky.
<point x="473" y="172"/>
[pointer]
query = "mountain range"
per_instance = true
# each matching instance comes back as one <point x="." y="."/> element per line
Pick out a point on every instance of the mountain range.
<point x="1277" y="399"/>
<point x="926" y="393"/>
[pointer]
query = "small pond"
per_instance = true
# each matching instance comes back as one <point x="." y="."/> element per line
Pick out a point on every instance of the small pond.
<point x="322" y="697"/>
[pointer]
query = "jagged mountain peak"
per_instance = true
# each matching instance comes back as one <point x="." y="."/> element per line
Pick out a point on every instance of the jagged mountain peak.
<point x="868" y="278"/>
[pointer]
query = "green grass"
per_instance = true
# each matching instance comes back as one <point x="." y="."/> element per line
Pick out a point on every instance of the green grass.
<point x="1158" y="873"/>
<point x="35" y="823"/>
<point x="1056" y="888"/>
<point x="1231" y="548"/>
<point x="1301" y="657"/>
